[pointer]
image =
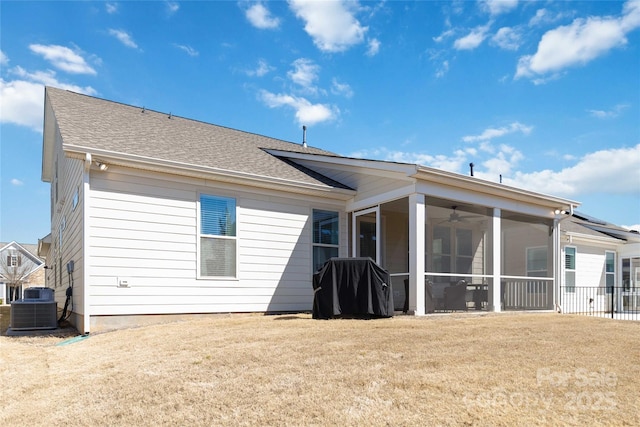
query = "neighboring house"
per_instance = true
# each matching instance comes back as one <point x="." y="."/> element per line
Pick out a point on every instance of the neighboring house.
<point x="20" y="268"/>
<point x="601" y="266"/>
<point x="153" y="214"/>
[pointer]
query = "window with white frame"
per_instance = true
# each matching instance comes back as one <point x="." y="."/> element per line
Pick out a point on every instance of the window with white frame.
<point x="570" y="268"/>
<point x="451" y="250"/>
<point x="14" y="260"/>
<point x="537" y="261"/>
<point x="326" y="236"/>
<point x="609" y="270"/>
<point x="218" y="240"/>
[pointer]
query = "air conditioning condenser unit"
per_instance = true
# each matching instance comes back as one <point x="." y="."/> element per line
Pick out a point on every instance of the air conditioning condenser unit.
<point x="37" y="310"/>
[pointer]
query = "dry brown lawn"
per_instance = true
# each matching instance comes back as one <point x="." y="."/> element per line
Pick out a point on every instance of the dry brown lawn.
<point x="494" y="369"/>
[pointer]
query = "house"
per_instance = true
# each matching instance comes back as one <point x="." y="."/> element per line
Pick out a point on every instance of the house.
<point x="154" y="215"/>
<point x="601" y="266"/>
<point x="20" y="268"/>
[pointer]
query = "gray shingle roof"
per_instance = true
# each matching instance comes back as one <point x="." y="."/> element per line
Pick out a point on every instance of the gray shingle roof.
<point x="584" y="224"/>
<point x="94" y="123"/>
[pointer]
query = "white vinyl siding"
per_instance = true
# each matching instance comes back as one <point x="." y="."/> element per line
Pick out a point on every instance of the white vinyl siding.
<point x="66" y="231"/>
<point x="144" y="228"/>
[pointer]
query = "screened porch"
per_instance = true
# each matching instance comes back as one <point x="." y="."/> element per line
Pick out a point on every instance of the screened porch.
<point x="467" y="258"/>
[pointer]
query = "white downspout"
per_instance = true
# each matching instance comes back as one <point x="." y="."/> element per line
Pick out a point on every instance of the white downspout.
<point x="86" y="194"/>
<point x="557" y="270"/>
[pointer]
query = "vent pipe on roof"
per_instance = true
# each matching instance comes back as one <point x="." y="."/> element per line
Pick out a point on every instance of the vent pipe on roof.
<point x="471" y="168"/>
<point x="304" y="136"/>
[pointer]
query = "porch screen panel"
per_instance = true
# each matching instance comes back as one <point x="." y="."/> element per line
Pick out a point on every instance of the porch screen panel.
<point x="464" y="250"/>
<point x="441" y="249"/>
<point x="217" y="236"/>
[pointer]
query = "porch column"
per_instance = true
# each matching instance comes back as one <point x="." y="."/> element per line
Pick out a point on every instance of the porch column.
<point x="495" y="291"/>
<point x="416" y="253"/>
<point x="556" y="263"/>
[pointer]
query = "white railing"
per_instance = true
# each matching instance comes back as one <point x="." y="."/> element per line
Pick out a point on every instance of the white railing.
<point x="527" y="293"/>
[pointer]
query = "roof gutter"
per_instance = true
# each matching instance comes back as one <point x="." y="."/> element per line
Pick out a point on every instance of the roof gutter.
<point x="492" y="188"/>
<point x="167" y="166"/>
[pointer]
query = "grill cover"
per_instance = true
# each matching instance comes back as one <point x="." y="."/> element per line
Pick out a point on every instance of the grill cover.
<point x="352" y="286"/>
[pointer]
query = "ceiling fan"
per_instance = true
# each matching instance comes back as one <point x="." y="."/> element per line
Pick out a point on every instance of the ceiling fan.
<point x="456" y="217"/>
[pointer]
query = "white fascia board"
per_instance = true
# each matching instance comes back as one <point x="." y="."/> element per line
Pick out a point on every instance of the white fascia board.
<point x="167" y="166"/>
<point x="405" y="169"/>
<point x="398" y="193"/>
<point x="596" y="239"/>
<point x="508" y="195"/>
<point x="432" y="175"/>
<point x="48" y="142"/>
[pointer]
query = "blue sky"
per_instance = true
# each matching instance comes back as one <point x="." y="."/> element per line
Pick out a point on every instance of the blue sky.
<point x="545" y="94"/>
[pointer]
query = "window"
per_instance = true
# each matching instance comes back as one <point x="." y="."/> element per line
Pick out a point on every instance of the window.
<point x="452" y="251"/>
<point x="326" y="237"/>
<point x="570" y="268"/>
<point x="609" y="270"/>
<point x="218" y="242"/>
<point x="14" y="259"/>
<point x="537" y="261"/>
<point x="464" y="250"/>
<point x="441" y="249"/>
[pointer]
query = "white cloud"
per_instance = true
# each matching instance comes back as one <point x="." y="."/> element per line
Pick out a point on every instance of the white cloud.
<point x="580" y="42"/>
<point x="304" y="74"/>
<point x="21" y="100"/>
<point x="374" y="47"/>
<point x="331" y="24"/>
<point x="172" y="7"/>
<point x="260" y="17"/>
<point x="502" y="163"/>
<point x="473" y="39"/>
<point x="16" y="182"/>
<point x="111" y="8"/>
<point x="262" y="69"/>
<point x="306" y="113"/>
<point x="621" y="175"/>
<point x="453" y="163"/>
<point x="63" y="58"/>
<point x="497" y="7"/>
<point x="188" y="49"/>
<point x="542" y="15"/>
<point x="635" y="227"/>
<point x="343" y="89"/>
<point x="608" y="114"/>
<point x="4" y="59"/>
<point x="445" y="35"/>
<point x="124" y="38"/>
<point x="491" y="133"/>
<point x="507" y="38"/>
<point x="444" y="69"/>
